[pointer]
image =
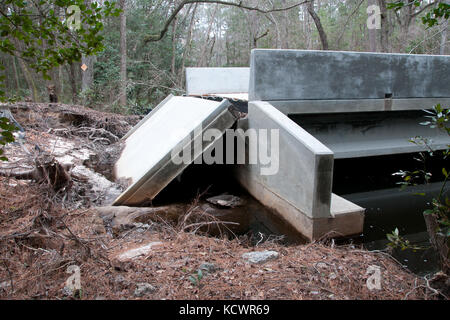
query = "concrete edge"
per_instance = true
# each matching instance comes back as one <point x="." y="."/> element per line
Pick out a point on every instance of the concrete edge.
<point x="148" y="116"/>
<point x="357" y="105"/>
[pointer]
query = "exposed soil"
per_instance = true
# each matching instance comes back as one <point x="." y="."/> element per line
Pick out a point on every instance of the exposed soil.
<point x="44" y="230"/>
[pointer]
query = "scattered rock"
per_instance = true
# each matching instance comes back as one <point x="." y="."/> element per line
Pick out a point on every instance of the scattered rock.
<point x="143" y="289"/>
<point x="209" y="267"/>
<point x="4" y="284"/>
<point x="121" y="281"/>
<point x="260" y="257"/>
<point x="66" y="291"/>
<point x="137" y="252"/>
<point x="227" y="201"/>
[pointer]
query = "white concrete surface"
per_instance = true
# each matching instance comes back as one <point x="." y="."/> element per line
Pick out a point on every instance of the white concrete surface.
<point x="305" y="172"/>
<point x="146" y="163"/>
<point x="301" y="192"/>
<point x="202" y="81"/>
<point x="129" y="133"/>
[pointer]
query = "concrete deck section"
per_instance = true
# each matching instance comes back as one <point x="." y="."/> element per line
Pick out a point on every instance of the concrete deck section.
<point x="301" y="191"/>
<point x="146" y="161"/>
<point x="207" y="81"/>
<point x="372" y="134"/>
<point x="290" y="79"/>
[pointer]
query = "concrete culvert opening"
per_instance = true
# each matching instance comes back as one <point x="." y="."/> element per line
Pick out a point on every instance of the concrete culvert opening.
<point x="214" y="198"/>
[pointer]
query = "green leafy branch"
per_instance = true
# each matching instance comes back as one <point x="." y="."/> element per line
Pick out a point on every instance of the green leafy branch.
<point x="431" y="18"/>
<point x="6" y="135"/>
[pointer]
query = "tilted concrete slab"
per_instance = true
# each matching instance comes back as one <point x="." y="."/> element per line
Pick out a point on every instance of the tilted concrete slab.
<point x="301" y="191"/>
<point x="146" y="162"/>
<point x="303" y="81"/>
<point x="148" y="116"/>
<point x="207" y="81"/>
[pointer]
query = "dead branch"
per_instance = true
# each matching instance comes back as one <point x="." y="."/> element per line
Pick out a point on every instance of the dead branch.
<point x="162" y="33"/>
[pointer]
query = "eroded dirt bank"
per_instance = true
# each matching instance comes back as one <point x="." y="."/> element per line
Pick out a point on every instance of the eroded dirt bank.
<point x="49" y="223"/>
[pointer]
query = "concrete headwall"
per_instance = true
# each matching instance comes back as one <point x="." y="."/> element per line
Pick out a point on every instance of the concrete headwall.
<point x="293" y="80"/>
<point x="201" y="81"/>
<point x="300" y="192"/>
<point x="304" y="179"/>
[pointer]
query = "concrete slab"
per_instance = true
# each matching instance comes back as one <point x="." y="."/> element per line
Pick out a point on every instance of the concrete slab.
<point x="372" y="134"/>
<point x="285" y="76"/>
<point x="146" y="163"/>
<point x="203" y="81"/>
<point x="140" y="123"/>
<point x="354" y="106"/>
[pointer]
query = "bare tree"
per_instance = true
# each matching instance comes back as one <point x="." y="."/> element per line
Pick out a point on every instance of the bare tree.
<point x="372" y="32"/>
<point x="162" y="33"/>
<point x="123" y="54"/>
<point x="318" y="23"/>
<point x="443" y="37"/>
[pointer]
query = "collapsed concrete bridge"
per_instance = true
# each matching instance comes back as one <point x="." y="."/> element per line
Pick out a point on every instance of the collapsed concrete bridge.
<point x="325" y="105"/>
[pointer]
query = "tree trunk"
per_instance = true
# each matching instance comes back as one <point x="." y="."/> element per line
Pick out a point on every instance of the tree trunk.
<point x="372" y="33"/>
<point x="443" y="38"/>
<point x="385" y="27"/>
<point x="187" y="46"/>
<point x="203" y="56"/>
<point x="73" y="81"/>
<point x="87" y="76"/>
<point x="16" y="74"/>
<point x="318" y="23"/>
<point x="29" y="79"/>
<point x="123" y="54"/>
<point x="174" y="46"/>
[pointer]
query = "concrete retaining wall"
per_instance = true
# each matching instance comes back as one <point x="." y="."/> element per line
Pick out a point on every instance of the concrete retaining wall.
<point x="300" y="192"/>
<point x="202" y="81"/>
<point x="305" y="172"/>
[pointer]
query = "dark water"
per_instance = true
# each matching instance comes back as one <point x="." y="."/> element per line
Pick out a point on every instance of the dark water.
<point x="389" y="209"/>
<point x="367" y="182"/>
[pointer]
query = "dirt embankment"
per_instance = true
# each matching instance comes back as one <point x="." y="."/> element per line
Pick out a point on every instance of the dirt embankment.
<point x="47" y="228"/>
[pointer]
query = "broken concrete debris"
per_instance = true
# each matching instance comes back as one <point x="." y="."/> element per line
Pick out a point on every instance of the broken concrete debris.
<point x="147" y="162"/>
<point x="143" y="250"/>
<point x="143" y="289"/>
<point x="209" y="267"/>
<point x="227" y="201"/>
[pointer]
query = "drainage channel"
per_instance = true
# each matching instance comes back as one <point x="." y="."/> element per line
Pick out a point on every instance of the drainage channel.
<point x="368" y="182"/>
